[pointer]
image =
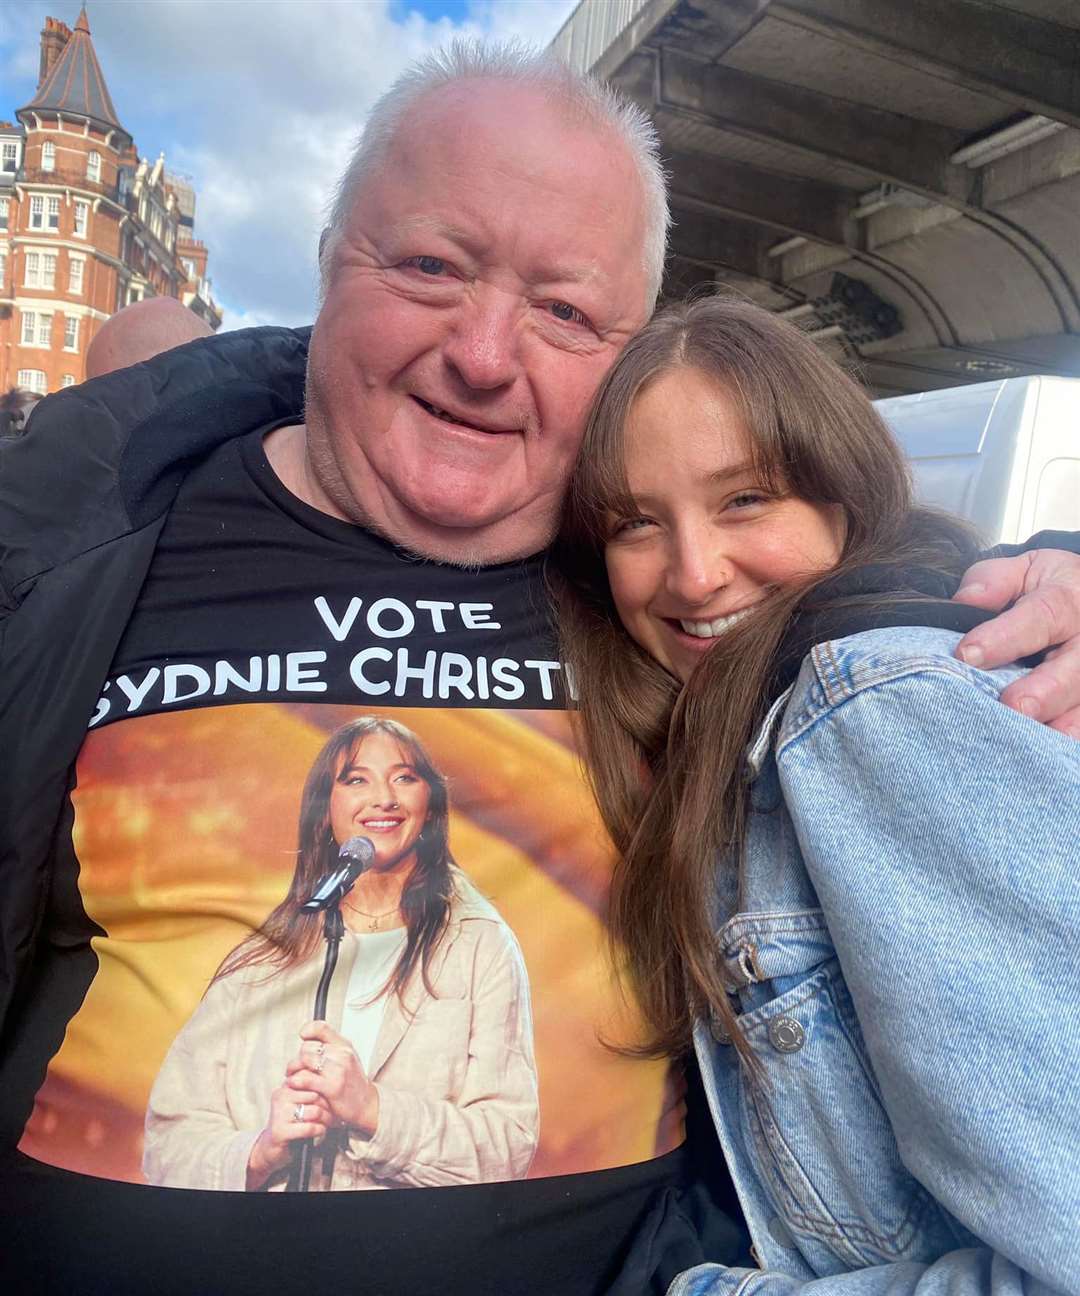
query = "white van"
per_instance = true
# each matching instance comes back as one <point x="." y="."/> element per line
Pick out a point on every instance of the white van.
<point x="1005" y="455"/>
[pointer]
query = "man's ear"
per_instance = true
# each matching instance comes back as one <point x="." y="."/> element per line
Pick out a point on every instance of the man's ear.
<point x="322" y="240"/>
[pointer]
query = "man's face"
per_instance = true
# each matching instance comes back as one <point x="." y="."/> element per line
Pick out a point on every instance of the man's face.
<point x="489" y="274"/>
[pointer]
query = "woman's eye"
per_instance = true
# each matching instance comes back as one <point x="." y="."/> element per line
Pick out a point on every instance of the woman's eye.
<point x="747" y="499"/>
<point x="406" y="778"/>
<point x="429" y="265"/>
<point x="624" y="525"/>
<point x="569" y="314"/>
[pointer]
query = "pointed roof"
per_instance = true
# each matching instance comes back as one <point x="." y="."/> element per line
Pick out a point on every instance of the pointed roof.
<point x="75" y="85"/>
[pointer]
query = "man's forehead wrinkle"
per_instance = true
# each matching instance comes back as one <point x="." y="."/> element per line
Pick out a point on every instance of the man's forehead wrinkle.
<point x="425" y="223"/>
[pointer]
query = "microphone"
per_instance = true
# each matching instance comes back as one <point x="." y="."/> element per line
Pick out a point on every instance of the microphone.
<point x="353" y="859"/>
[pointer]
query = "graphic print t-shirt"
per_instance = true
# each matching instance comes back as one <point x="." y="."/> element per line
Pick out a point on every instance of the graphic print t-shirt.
<point x="546" y="1154"/>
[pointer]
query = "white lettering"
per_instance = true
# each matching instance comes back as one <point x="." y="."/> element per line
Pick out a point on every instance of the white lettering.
<point x="273" y="673"/>
<point x="374" y="618"/>
<point x="436" y="607"/>
<point x="474" y="616"/>
<point x="509" y="687"/>
<point x="339" y="629"/>
<point x="226" y="675"/>
<point x="546" y="669"/>
<point x="174" y="674"/>
<point x="405" y="672"/>
<point x="455" y="672"/>
<point x="571" y="683"/>
<point x="482" y="690"/>
<point x="104" y="706"/>
<point x="136" y="693"/>
<point x="302" y="678"/>
<point x="356" y="670"/>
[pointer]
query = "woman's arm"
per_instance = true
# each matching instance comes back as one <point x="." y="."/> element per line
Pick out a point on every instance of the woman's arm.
<point x="942" y="834"/>
<point x="490" y="1130"/>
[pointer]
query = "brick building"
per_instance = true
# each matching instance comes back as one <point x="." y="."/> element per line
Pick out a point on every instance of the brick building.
<point x="86" y="225"/>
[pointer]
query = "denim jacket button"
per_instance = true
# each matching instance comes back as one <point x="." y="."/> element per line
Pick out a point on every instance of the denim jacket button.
<point x="716" y="1029"/>
<point x="786" y="1035"/>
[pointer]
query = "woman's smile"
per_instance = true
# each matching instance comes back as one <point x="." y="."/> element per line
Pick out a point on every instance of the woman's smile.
<point x="378" y="794"/>
<point x="708" y="538"/>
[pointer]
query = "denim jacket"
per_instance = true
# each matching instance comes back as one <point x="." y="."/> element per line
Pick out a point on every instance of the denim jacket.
<point x="904" y="956"/>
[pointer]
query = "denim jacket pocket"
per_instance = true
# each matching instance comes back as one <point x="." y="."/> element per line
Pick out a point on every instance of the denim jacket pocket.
<point x="815" y="1128"/>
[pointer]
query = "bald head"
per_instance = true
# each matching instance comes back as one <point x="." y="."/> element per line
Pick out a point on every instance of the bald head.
<point x="140" y="331"/>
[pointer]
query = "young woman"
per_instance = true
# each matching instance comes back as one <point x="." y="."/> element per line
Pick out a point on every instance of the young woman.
<point x="851" y="886"/>
<point x="423" y="1073"/>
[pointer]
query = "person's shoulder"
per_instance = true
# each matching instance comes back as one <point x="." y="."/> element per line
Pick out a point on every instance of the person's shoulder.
<point x="468" y="903"/>
<point x="106" y="457"/>
<point x="872" y="661"/>
<point x="480" y="921"/>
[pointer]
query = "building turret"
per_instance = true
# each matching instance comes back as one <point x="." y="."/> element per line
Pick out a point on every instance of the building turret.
<point x="86" y="227"/>
<point x="72" y="83"/>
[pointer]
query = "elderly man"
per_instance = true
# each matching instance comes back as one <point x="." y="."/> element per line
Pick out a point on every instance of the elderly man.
<point x="213" y="586"/>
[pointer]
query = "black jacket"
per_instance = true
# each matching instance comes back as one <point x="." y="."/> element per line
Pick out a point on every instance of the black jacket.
<point x="84" y="495"/>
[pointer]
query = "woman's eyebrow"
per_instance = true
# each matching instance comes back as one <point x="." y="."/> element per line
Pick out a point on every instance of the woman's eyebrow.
<point x="721" y="475"/>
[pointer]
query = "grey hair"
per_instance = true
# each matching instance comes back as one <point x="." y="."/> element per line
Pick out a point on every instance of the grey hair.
<point x="524" y="65"/>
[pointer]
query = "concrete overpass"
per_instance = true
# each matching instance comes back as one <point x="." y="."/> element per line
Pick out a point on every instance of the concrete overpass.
<point x="902" y="177"/>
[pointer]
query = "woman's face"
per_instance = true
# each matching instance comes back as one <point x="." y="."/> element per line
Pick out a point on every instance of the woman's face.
<point x="379" y="795"/>
<point x="706" y="541"/>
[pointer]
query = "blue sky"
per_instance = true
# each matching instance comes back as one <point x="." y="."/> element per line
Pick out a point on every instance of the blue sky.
<point x="456" y="10"/>
<point x="258" y="101"/>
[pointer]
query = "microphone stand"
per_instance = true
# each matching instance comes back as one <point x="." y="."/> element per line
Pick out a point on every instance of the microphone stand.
<point x="353" y="858"/>
<point x="333" y="931"/>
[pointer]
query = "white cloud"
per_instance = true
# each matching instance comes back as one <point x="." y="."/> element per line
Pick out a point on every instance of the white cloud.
<point x="259" y="104"/>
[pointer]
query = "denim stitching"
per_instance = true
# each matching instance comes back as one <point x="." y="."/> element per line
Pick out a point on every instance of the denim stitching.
<point x="775" y="1151"/>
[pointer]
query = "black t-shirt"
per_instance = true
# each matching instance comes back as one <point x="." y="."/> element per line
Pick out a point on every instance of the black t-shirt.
<point x="519" y="1148"/>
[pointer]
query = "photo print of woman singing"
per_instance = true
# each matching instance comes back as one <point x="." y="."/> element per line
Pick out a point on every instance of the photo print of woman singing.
<point x="423" y="1073"/>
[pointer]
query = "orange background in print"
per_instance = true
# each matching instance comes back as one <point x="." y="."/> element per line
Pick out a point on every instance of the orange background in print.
<point x="177" y="879"/>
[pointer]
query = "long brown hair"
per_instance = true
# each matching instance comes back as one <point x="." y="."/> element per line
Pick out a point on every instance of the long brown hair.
<point x="289" y="936"/>
<point x="667" y="763"/>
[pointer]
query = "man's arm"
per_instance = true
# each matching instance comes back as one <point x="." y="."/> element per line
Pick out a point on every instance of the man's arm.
<point x="1039" y="588"/>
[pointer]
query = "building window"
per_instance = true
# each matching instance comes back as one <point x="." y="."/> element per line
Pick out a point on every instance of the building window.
<point x="4" y="213"/>
<point x="71" y="333"/>
<point x="53" y="221"/>
<point x="75" y="274"/>
<point x="68" y="380"/>
<point x="37" y="212"/>
<point x="9" y="156"/>
<point x="40" y="270"/>
<point x="93" y="165"/>
<point x="33" y="380"/>
<point x="48" y="156"/>
<point x="3" y="271"/>
<point x="36" y="328"/>
<point x="82" y="218"/>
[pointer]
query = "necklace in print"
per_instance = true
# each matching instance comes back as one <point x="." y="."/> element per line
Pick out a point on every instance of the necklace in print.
<point x="374" y="919"/>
